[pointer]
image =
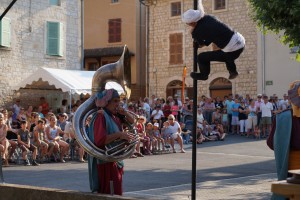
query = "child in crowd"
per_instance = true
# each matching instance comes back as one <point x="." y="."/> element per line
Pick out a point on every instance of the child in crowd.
<point x="225" y="120"/>
<point x="150" y="134"/>
<point x="25" y="145"/>
<point x="158" y="137"/>
<point x="166" y="134"/>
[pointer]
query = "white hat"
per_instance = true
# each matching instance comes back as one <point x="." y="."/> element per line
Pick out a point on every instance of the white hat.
<point x="156" y="124"/>
<point x="192" y="15"/>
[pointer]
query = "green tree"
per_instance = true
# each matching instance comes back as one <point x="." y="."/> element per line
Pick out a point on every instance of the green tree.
<point x="279" y="15"/>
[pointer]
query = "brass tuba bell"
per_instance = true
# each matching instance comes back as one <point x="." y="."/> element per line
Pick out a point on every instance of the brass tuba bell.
<point x="117" y="150"/>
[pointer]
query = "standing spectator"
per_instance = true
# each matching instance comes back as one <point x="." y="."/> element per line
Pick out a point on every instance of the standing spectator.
<point x="266" y="115"/>
<point x="247" y="100"/>
<point x="243" y="118"/>
<point x="252" y="119"/>
<point x="228" y="104"/>
<point x="45" y="106"/>
<point x="284" y="103"/>
<point x="208" y="109"/>
<point x="167" y="110"/>
<point x="219" y="103"/>
<point x="175" y="109"/>
<point x="64" y="106"/>
<point x="25" y="145"/>
<point x="179" y="102"/>
<point x="203" y="101"/>
<point x="257" y="104"/>
<point x="16" y="109"/>
<point x="147" y="108"/>
<point x="235" y="117"/>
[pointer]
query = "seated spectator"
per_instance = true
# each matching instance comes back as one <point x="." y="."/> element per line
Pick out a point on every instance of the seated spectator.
<point x="158" y="137"/>
<point x="39" y="139"/>
<point x="25" y="145"/>
<point x="185" y="134"/>
<point x="4" y="144"/>
<point x="69" y="137"/>
<point x="166" y="134"/>
<point x="217" y="115"/>
<point x="53" y="133"/>
<point x="214" y="133"/>
<point x="142" y="136"/>
<point x="150" y="134"/>
<point x="175" y="132"/>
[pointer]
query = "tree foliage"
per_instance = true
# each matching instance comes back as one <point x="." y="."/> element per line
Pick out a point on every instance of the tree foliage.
<point x="279" y="15"/>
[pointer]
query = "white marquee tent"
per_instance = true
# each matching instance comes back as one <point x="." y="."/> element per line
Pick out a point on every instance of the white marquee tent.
<point x="71" y="81"/>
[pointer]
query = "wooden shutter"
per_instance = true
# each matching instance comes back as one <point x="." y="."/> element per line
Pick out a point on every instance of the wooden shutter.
<point x="55" y="39"/>
<point x="5" y="32"/>
<point x="114" y="30"/>
<point x="175" y="50"/>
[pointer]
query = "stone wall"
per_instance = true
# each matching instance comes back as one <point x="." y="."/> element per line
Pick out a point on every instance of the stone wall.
<point x="161" y="25"/>
<point x="28" y="48"/>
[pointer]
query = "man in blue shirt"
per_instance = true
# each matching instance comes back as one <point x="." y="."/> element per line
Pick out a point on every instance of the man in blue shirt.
<point x="228" y="104"/>
<point x="235" y="116"/>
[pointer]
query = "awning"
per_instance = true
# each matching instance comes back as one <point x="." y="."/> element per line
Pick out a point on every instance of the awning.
<point x="72" y="81"/>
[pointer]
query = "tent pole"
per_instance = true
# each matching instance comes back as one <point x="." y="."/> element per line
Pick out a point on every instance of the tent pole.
<point x="70" y="101"/>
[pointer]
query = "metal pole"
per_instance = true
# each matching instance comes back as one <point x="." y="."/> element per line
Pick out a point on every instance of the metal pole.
<point x="1" y="172"/>
<point x="7" y="9"/>
<point x="194" y="147"/>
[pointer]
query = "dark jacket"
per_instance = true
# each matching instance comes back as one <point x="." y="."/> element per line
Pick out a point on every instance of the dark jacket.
<point x="210" y="30"/>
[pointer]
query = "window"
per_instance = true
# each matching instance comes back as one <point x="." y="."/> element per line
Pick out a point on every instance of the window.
<point x="114" y="1"/>
<point x="175" y="48"/>
<point x="5" y="32"/>
<point x="219" y="4"/>
<point x="114" y="30"/>
<point x="175" y="9"/>
<point x="55" y="39"/>
<point x="55" y="2"/>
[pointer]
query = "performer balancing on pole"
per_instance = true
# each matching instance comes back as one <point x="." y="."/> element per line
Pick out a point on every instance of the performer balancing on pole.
<point x="207" y="29"/>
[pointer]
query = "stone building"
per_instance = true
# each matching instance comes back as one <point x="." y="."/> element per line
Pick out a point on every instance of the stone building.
<point x="261" y="66"/>
<point x="109" y="25"/>
<point x="35" y="34"/>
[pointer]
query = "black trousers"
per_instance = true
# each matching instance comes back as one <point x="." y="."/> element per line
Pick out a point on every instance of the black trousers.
<point x="205" y="58"/>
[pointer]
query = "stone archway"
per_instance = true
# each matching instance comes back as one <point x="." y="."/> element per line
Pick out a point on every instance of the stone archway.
<point x="175" y="87"/>
<point x="220" y="87"/>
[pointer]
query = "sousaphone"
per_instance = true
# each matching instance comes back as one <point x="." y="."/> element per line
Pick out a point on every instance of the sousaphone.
<point x="119" y="149"/>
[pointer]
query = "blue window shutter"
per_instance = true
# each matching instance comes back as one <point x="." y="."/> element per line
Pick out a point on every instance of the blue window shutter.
<point x="5" y="32"/>
<point x="54" y="39"/>
<point x="61" y="40"/>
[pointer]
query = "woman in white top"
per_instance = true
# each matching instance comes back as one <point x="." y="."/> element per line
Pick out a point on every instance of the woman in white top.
<point x="175" y="131"/>
<point x="252" y="119"/>
<point x="53" y="133"/>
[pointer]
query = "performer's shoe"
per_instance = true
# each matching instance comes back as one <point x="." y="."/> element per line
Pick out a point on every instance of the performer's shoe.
<point x="233" y="75"/>
<point x="199" y="76"/>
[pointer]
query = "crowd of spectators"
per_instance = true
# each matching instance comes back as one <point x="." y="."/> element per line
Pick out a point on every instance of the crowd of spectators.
<point x="50" y="137"/>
